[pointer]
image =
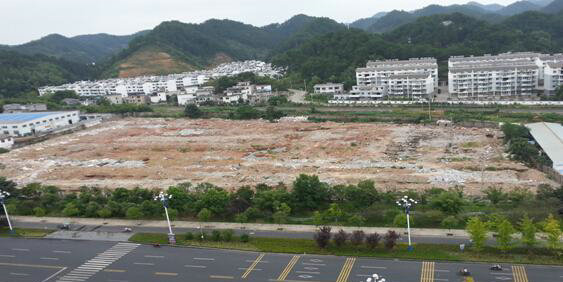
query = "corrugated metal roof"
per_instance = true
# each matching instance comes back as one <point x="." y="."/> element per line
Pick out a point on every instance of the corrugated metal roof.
<point x="550" y="137"/>
<point x="24" y="117"/>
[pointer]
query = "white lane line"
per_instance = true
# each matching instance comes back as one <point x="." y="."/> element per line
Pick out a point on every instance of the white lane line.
<point x="20" y="250"/>
<point x="308" y="272"/>
<point x="195" y="266"/>
<point x="143" y="263"/>
<point x="500" y="273"/>
<point x="204" y="258"/>
<point x="373" y="267"/>
<point x="18" y="274"/>
<point x="255" y="269"/>
<point x="441" y="279"/>
<point x="47" y="258"/>
<point x="54" y="274"/>
<point x="61" y="252"/>
<point x="113" y="280"/>
<point x="317" y="264"/>
<point x="7" y="256"/>
<point x="149" y="256"/>
<point x="441" y="270"/>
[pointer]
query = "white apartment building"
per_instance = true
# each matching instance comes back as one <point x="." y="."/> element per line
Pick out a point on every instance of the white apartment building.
<point x="329" y="88"/>
<point x="494" y="77"/>
<point x="413" y="85"/>
<point x="553" y="77"/>
<point x="24" y="124"/>
<point x="363" y="93"/>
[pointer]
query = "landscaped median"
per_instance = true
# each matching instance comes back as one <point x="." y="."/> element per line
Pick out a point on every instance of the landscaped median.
<point x="308" y="246"/>
<point x="24" y="232"/>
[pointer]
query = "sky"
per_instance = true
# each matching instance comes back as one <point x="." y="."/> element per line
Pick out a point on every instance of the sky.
<point x="25" y="20"/>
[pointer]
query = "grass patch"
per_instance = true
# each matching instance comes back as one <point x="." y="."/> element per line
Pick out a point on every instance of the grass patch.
<point x="24" y="232"/>
<point x="421" y="252"/>
<point x="468" y="145"/>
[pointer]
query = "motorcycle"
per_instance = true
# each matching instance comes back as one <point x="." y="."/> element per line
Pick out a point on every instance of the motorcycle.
<point x="496" y="267"/>
<point x="127" y="229"/>
<point x="464" y="272"/>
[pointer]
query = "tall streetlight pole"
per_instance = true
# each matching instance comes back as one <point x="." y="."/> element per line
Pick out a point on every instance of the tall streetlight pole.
<point x="4" y="195"/>
<point x="375" y="278"/>
<point x="407" y="203"/>
<point x="164" y="199"/>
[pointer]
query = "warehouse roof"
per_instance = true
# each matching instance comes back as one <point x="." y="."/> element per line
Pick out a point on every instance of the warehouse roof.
<point x="550" y="137"/>
<point x="24" y="117"/>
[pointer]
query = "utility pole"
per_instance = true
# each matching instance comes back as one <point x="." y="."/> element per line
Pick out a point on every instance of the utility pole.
<point x="4" y="195"/>
<point x="164" y="199"/>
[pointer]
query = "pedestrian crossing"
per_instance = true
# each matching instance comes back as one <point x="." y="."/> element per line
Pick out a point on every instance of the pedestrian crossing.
<point x="98" y="263"/>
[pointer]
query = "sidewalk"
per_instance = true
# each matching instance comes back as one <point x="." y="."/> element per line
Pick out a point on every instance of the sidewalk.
<point x="456" y="233"/>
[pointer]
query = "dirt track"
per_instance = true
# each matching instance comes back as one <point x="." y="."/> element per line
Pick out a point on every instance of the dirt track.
<point x="157" y="153"/>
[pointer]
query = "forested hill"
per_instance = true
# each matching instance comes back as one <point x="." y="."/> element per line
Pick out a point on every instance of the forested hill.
<point x="335" y="56"/>
<point x="175" y="46"/>
<point x="85" y="49"/>
<point x="20" y="74"/>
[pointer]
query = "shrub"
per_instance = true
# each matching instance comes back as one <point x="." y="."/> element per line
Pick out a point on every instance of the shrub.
<point x="192" y="111"/>
<point x="450" y="222"/>
<point x="227" y="235"/>
<point x="39" y="212"/>
<point x="553" y="231"/>
<point x="340" y="238"/>
<point x="391" y="239"/>
<point x="477" y="231"/>
<point x="357" y="237"/>
<point x="202" y="236"/>
<point x="400" y="220"/>
<point x="189" y="236"/>
<point x="204" y="214"/>
<point x="244" y="238"/>
<point x="216" y="235"/>
<point x="372" y="240"/>
<point x="322" y="237"/>
<point x="104" y="213"/>
<point x="133" y="213"/>
<point x="528" y="231"/>
<point x="505" y="232"/>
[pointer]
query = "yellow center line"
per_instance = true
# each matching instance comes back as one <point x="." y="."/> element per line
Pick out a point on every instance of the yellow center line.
<point x="252" y="266"/>
<point x="166" y="273"/>
<point x="32" y="265"/>
<point x="346" y="269"/>
<point x="288" y="268"/>
<point x="221" y="277"/>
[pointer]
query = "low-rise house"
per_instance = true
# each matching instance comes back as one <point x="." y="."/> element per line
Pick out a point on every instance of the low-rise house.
<point x="71" y="101"/>
<point x="137" y="99"/>
<point x="329" y="88"/>
<point x="6" y="142"/>
<point x="115" y="99"/>
<point x="23" y="108"/>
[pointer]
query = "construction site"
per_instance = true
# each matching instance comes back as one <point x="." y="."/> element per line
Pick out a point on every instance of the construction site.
<point x="158" y="153"/>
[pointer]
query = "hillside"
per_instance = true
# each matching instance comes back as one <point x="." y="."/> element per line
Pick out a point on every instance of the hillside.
<point x="335" y="56"/>
<point x="518" y="7"/>
<point x="22" y="73"/>
<point x="82" y="49"/>
<point x="554" y="7"/>
<point x="183" y="47"/>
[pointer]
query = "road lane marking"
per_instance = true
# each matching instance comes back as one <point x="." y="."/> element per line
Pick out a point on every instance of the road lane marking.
<point x="54" y="274"/>
<point x="316" y="264"/>
<point x="114" y="280"/>
<point x="32" y="265"/>
<point x="346" y="269"/>
<point x="7" y="256"/>
<point x="47" y="258"/>
<point x="288" y="268"/>
<point x="308" y="272"/>
<point x="143" y="263"/>
<point x="62" y="252"/>
<point x="166" y="273"/>
<point x="252" y="266"/>
<point x="204" y="258"/>
<point x="373" y="267"/>
<point x="195" y="266"/>
<point x="262" y="261"/>
<point x="21" y="250"/>
<point x="519" y="273"/>
<point x="256" y="269"/>
<point x="18" y="274"/>
<point x="115" y="270"/>
<point x="150" y="256"/>
<point x="221" y="277"/>
<point x="427" y="273"/>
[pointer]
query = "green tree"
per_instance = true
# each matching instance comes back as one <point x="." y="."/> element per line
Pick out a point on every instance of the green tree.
<point x="104" y="213"/>
<point x="192" y="111"/>
<point x="335" y="214"/>
<point x="172" y="213"/>
<point x="523" y="151"/>
<point x="71" y="210"/>
<point x="204" y="215"/>
<point x="39" y="212"/>
<point x="450" y="222"/>
<point x="318" y="219"/>
<point x="134" y="213"/>
<point x="309" y="193"/>
<point x="553" y="231"/>
<point x="282" y="213"/>
<point x="448" y="202"/>
<point x="495" y="195"/>
<point x="528" y="231"/>
<point x="505" y="230"/>
<point x="400" y="220"/>
<point x="241" y="218"/>
<point x="477" y="230"/>
<point x="356" y="220"/>
<point x="514" y="131"/>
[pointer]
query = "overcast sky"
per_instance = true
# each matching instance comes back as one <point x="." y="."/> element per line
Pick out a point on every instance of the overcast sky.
<point x="25" y="20"/>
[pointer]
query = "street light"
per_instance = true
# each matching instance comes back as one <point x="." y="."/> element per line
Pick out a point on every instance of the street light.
<point x="4" y="195"/>
<point x="375" y="278"/>
<point x="164" y="199"/>
<point x="407" y="203"/>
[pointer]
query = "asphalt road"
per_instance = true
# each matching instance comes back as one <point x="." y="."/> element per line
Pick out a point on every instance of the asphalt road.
<point x="267" y="234"/>
<point x="42" y="260"/>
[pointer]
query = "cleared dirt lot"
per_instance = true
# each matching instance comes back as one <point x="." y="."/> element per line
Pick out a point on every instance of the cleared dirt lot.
<point x="158" y="153"/>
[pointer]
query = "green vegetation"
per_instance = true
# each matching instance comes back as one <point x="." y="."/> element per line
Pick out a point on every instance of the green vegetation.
<point x="517" y="137"/>
<point x="116" y="108"/>
<point x="24" y="232"/>
<point x="349" y="248"/>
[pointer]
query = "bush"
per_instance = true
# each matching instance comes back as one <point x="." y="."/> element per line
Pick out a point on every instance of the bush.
<point x="39" y="212"/>
<point x="244" y="238"/>
<point x="4" y="150"/>
<point x="227" y="235"/>
<point x="216" y="235"/>
<point x="322" y="237"/>
<point x="202" y="236"/>
<point x="189" y="236"/>
<point x="357" y="237"/>
<point x="340" y="238"/>
<point x="450" y="222"/>
<point x="400" y="220"/>
<point x="477" y="231"/>
<point x="134" y="213"/>
<point x="192" y="111"/>
<point x="391" y="239"/>
<point x="372" y="240"/>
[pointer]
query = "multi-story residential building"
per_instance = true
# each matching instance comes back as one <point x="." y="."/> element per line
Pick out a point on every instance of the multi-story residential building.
<point x="363" y="93"/>
<point x="376" y="72"/>
<point x="329" y="88"/>
<point x="553" y="77"/>
<point x="494" y="77"/>
<point x="24" y="124"/>
<point x="137" y="99"/>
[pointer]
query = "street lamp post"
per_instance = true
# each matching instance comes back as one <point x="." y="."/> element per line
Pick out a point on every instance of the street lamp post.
<point x="375" y="278"/>
<point x="3" y="196"/>
<point x="407" y="203"/>
<point x="164" y="199"/>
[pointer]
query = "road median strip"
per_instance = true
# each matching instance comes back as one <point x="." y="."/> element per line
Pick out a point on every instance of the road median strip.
<point x="288" y="268"/>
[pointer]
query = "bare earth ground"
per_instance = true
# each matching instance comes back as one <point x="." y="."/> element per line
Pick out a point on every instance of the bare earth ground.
<point x="158" y="153"/>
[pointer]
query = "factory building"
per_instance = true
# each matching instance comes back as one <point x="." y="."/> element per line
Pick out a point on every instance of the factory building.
<point x="26" y="124"/>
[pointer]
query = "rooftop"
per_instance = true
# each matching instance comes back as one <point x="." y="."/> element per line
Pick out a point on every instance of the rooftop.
<point x="24" y="117"/>
<point x="550" y="137"/>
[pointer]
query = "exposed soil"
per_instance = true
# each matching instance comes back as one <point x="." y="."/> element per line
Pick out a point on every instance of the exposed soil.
<point x="158" y="153"/>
